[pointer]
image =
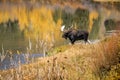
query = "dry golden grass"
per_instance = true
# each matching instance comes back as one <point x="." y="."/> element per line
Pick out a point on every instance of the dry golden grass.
<point x="78" y="62"/>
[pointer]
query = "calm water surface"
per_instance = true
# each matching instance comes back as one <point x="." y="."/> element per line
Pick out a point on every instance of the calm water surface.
<point x="13" y="61"/>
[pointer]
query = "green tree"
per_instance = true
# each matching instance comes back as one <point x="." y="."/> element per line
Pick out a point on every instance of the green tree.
<point x="95" y="29"/>
<point x="67" y="18"/>
<point x="81" y="18"/>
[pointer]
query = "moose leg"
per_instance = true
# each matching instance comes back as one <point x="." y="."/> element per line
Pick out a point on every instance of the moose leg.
<point x="72" y="40"/>
<point x="86" y="39"/>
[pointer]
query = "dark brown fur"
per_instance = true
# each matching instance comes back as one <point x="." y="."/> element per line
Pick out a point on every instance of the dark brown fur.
<point x="74" y="35"/>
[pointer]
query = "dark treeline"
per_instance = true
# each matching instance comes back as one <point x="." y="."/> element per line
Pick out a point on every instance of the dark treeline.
<point x="9" y="26"/>
<point x="10" y="29"/>
<point x="80" y="18"/>
<point x="112" y="24"/>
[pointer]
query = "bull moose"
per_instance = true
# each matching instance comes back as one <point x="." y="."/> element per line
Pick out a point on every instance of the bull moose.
<point x="75" y="35"/>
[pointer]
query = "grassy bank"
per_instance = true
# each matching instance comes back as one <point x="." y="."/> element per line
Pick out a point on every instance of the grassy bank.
<point x="99" y="61"/>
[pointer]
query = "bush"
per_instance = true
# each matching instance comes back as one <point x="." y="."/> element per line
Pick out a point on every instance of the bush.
<point x="110" y="24"/>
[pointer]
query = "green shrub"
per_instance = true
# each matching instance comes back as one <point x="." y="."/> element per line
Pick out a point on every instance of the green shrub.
<point x="110" y="24"/>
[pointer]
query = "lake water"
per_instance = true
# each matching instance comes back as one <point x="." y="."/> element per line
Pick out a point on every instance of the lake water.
<point x="13" y="61"/>
<point x="14" y="45"/>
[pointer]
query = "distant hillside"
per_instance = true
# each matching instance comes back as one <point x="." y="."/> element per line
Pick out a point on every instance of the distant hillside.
<point x="106" y="3"/>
